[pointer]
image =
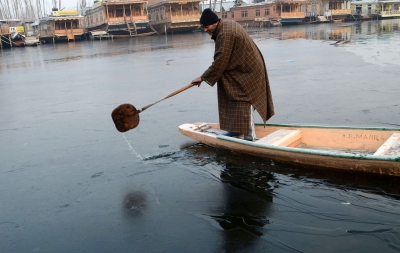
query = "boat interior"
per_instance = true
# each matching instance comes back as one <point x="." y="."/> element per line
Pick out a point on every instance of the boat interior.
<point x="371" y="141"/>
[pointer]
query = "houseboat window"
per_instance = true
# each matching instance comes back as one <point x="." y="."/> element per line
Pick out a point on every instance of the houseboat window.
<point x="244" y="13"/>
<point x="75" y="24"/>
<point x="137" y="11"/>
<point x="127" y="12"/>
<point x="358" y="9"/>
<point x="57" y="26"/>
<point x="233" y="14"/>
<point x="119" y="13"/>
<point x="257" y="13"/>
<point x="286" y="8"/>
<point x="266" y="12"/>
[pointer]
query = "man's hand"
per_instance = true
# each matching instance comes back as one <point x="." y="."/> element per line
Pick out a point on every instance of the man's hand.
<point x="197" y="81"/>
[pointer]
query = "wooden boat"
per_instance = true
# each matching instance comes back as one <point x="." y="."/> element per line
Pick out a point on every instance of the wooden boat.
<point x="64" y="25"/>
<point x="289" y="11"/>
<point x="9" y="27"/>
<point x="374" y="150"/>
<point x="175" y="16"/>
<point x="120" y="18"/>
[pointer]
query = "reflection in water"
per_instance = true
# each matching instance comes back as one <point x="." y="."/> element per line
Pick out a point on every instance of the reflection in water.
<point x="264" y="202"/>
<point x="258" y="176"/>
<point x="73" y="51"/>
<point x="247" y="196"/>
<point x="341" y="33"/>
<point x="245" y="214"/>
<point x="332" y="31"/>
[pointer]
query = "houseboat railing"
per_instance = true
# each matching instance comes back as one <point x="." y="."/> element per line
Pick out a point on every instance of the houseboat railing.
<point x="363" y="12"/>
<point x="122" y="19"/>
<point x="66" y="31"/>
<point x="292" y="15"/>
<point x="183" y="18"/>
<point x="390" y="13"/>
<point x="312" y="14"/>
<point x="341" y="12"/>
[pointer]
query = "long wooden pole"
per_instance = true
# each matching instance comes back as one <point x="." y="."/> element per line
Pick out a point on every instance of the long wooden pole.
<point x="170" y="95"/>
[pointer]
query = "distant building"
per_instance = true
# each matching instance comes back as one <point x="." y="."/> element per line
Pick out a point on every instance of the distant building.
<point x="258" y="14"/>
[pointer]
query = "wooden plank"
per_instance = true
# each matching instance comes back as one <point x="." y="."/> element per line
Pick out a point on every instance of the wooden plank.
<point x="281" y="137"/>
<point x="391" y="147"/>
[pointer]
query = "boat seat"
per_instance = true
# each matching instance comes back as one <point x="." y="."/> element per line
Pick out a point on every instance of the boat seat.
<point x="282" y="137"/>
<point x="391" y="147"/>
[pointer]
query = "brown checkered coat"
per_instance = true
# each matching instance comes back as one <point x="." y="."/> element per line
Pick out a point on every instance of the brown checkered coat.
<point x="240" y="71"/>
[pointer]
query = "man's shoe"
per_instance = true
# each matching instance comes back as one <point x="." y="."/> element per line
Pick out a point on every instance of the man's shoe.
<point x="248" y="137"/>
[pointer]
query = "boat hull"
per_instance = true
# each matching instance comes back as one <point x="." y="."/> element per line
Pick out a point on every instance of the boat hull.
<point x="179" y="27"/>
<point x="122" y="30"/>
<point x="292" y="154"/>
<point x="291" y="21"/>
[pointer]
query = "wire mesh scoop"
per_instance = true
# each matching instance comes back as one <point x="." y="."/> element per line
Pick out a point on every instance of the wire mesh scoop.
<point x="126" y="116"/>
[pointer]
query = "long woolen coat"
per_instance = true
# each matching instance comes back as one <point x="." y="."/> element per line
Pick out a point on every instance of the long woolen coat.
<point x="239" y="69"/>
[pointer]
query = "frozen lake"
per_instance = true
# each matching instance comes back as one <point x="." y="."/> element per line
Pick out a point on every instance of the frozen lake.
<point x="70" y="182"/>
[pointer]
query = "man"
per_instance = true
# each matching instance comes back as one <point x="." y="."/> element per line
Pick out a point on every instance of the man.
<point x="241" y="76"/>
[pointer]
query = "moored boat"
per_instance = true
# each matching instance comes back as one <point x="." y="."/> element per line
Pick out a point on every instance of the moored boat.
<point x="175" y="16"/>
<point x="63" y="25"/>
<point x="119" y="18"/>
<point x="290" y="12"/>
<point x="373" y="150"/>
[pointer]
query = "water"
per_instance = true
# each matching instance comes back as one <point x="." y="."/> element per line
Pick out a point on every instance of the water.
<point x="70" y="182"/>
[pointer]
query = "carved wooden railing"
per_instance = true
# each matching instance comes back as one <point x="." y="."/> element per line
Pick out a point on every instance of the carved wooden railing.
<point x="341" y="12"/>
<point x="185" y="18"/>
<point x="122" y="19"/>
<point x="66" y="31"/>
<point x="293" y="15"/>
<point x="391" y="13"/>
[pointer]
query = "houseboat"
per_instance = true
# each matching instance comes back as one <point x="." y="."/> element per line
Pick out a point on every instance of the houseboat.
<point x="120" y="18"/>
<point x="315" y="10"/>
<point x="64" y="25"/>
<point x="388" y="9"/>
<point x="290" y="11"/>
<point x="12" y="33"/>
<point x="337" y="10"/>
<point x="174" y="16"/>
<point x="377" y="9"/>
<point x="249" y="15"/>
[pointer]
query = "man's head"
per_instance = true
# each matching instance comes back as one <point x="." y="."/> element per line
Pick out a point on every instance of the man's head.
<point x="209" y="21"/>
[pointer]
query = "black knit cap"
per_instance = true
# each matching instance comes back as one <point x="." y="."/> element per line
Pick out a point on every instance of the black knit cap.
<point x="208" y="17"/>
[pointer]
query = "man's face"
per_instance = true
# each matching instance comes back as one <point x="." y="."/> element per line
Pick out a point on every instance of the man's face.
<point x="210" y="28"/>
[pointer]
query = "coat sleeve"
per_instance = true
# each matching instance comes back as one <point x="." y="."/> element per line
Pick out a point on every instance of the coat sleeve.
<point x="223" y="50"/>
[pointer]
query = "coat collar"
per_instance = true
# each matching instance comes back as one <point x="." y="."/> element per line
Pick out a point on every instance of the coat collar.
<point x="215" y="33"/>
